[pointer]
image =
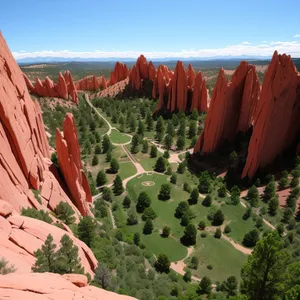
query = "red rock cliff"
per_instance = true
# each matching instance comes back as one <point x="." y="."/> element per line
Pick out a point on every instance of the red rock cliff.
<point x="64" y="88"/>
<point x="91" y="83"/>
<point x="276" y="121"/>
<point x="25" y="165"/>
<point x="231" y="108"/>
<point x="119" y="73"/>
<point x="68" y="153"/>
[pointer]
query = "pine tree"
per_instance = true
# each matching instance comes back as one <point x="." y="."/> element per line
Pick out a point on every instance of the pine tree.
<point x="126" y="202"/>
<point x="108" y="155"/>
<point x="101" y="178"/>
<point x="97" y="149"/>
<point x="194" y="196"/>
<point x="65" y="213"/>
<point x="180" y="144"/>
<point x="118" y="186"/>
<point x="153" y="151"/>
<point x="114" y="166"/>
<point x="170" y="129"/>
<point x="132" y="217"/>
<point x="87" y="230"/>
<point x="273" y="205"/>
<point x="207" y="201"/>
<point x="67" y="257"/>
<point x="192" y="129"/>
<point x="253" y="196"/>
<point x="46" y="257"/>
<point x="168" y="141"/>
<point x="106" y="194"/>
<point x="173" y="178"/>
<point x="204" y="286"/>
<point x="143" y="202"/>
<point x="149" y="122"/>
<point x="135" y="144"/>
<point x="141" y="128"/>
<point x="189" y="236"/>
<point x="164" y="192"/>
<point x="204" y="182"/>
<point x="160" y="128"/>
<point x="160" y="165"/>
<point x="148" y="227"/>
<point x="145" y="146"/>
<point x="136" y="238"/>
<point x="270" y="191"/>
<point x="106" y="144"/>
<point x="218" y="218"/>
<point x="162" y="264"/>
<point x="132" y="124"/>
<point x="95" y="160"/>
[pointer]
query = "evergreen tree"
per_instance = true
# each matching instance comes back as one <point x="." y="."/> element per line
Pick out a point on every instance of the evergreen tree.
<point x="95" y="160"/>
<point x="166" y="231"/>
<point x="270" y="191"/>
<point x="235" y="195"/>
<point x="160" y="126"/>
<point x="106" y="144"/>
<point x="135" y="144"/>
<point x="97" y="138"/>
<point x="204" y="182"/>
<point x="126" y="202"/>
<point x="148" y="227"/>
<point x="132" y="217"/>
<point x="102" y="276"/>
<point x="180" y="142"/>
<point x="194" y="196"/>
<point x="106" y="194"/>
<point x="108" y="156"/>
<point x="175" y="120"/>
<point x="114" y="166"/>
<point x="168" y="141"/>
<point x="132" y="124"/>
<point x="67" y="261"/>
<point x="145" y="146"/>
<point x="87" y="230"/>
<point x="189" y="236"/>
<point x="143" y="202"/>
<point x="185" y="219"/>
<point x="283" y="182"/>
<point x="253" y="196"/>
<point x="195" y="114"/>
<point x="202" y="225"/>
<point x="165" y="192"/>
<point x="141" y="128"/>
<point x="182" y="127"/>
<point x="204" y="286"/>
<point x="122" y="123"/>
<point x="187" y="277"/>
<point x="218" y="218"/>
<point x="136" y="238"/>
<point x="181" y="168"/>
<point x="251" y="238"/>
<point x="118" y="186"/>
<point x="149" y="213"/>
<point x="97" y="149"/>
<point x="222" y="191"/>
<point x="173" y="178"/>
<point x="101" y="178"/>
<point x="230" y="286"/>
<point x="162" y="264"/>
<point x="170" y="129"/>
<point x="294" y="182"/>
<point x="273" y="205"/>
<point x="166" y="154"/>
<point x="182" y="207"/>
<point x="207" y="201"/>
<point x="264" y="272"/>
<point x="149" y="122"/>
<point x="192" y="129"/>
<point x="218" y="233"/>
<point x="65" y="213"/>
<point x="46" y="257"/>
<point x="153" y="151"/>
<point x="160" y="165"/>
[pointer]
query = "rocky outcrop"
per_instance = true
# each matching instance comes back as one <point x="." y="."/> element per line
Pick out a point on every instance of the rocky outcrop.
<point x="42" y="286"/>
<point x="231" y="110"/>
<point x="68" y="153"/>
<point x="91" y="83"/>
<point x="25" y="163"/>
<point x="200" y="94"/>
<point x="113" y="90"/>
<point x="64" y="88"/>
<point x="119" y="73"/>
<point x="22" y="236"/>
<point x="276" y="120"/>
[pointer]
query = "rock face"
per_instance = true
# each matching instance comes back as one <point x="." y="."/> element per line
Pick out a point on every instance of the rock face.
<point x="42" y="286"/>
<point x="25" y="165"/>
<point x="276" y="121"/>
<point x="64" y="88"/>
<point x="68" y="153"/>
<point x="232" y="108"/>
<point x="22" y="236"/>
<point x="91" y="83"/>
<point x="119" y="73"/>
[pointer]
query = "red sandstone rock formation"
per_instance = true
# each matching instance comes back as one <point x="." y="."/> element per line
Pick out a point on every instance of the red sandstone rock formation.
<point x="41" y="286"/>
<point x="64" y="88"/>
<point x="231" y="108"/>
<point x="24" y="153"/>
<point x="119" y="73"/>
<point x="68" y="153"/>
<point x="91" y="83"/>
<point x="200" y="94"/>
<point x="276" y="121"/>
<point x="113" y="90"/>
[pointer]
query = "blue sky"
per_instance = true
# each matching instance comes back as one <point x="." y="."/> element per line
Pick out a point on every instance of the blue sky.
<point x="159" y="28"/>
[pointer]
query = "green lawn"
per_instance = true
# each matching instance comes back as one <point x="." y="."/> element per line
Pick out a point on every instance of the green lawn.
<point x="225" y="260"/>
<point x="127" y="169"/>
<point x="118" y="137"/>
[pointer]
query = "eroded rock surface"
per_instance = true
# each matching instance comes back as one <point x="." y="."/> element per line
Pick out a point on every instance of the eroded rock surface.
<point x="64" y="88"/>
<point x="91" y="83"/>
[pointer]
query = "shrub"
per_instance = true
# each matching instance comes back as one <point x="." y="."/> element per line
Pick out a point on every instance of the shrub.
<point x="65" y="213"/>
<point x="166" y="231"/>
<point x="37" y="214"/>
<point x="227" y="229"/>
<point x="218" y="233"/>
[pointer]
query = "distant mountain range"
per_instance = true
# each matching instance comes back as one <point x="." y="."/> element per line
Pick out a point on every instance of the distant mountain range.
<point x="30" y="60"/>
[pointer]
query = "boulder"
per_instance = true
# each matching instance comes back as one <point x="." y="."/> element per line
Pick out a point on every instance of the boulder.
<point x="77" y="279"/>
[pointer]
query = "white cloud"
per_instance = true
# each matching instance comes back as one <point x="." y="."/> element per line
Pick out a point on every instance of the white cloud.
<point x="297" y="35"/>
<point x="245" y="48"/>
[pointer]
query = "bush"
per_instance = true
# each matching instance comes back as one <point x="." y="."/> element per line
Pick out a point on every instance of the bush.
<point x="202" y="225"/>
<point x="5" y="268"/>
<point x="222" y="191"/>
<point x="187" y="187"/>
<point x="132" y="218"/>
<point x="95" y="160"/>
<point x="148" y="213"/>
<point x="227" y="229"/>
<point x="65" y="213"/>
<point x="187" y="277"/>
<point x="37" y="214"/>
<point x="166" y="231"/>
<point x="218" y="233"/>
<point x="203" y="234"/>
<point x="207" y="201"/>
<point x="209" y="267"/>
<point x="173" y="178"/>
<point x="162" y="264"/>
<point x="194" y="262"/>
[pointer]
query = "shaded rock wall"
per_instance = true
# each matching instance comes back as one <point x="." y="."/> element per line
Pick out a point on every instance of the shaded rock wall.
<point x="91" y="83"/>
